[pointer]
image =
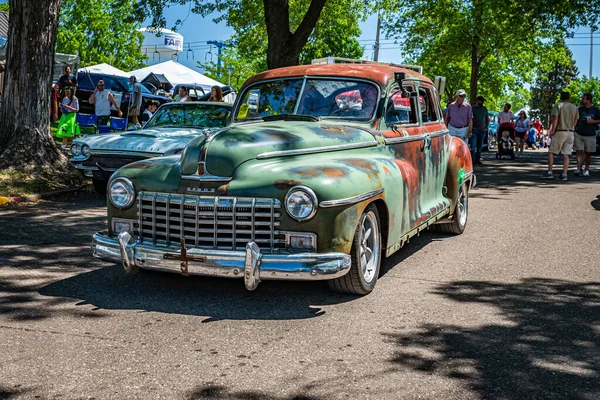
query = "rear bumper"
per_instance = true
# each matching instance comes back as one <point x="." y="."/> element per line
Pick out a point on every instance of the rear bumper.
<point x="250" y="265"/>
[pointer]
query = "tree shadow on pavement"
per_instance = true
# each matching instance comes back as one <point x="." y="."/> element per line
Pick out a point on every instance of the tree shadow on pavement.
<point x="218" y="392"/>
<point x="548" y="348"/>
<point x="214" y="298"/>
<point x="596" y="203"/>
<point x="524" y="172"/>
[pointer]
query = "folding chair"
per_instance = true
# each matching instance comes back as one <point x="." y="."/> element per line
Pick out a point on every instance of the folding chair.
<point x="103" y="129"/>
<point x="87" y="120"/>
<point x="118" y="124"/>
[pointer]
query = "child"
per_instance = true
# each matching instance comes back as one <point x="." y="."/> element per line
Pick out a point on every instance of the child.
<point x="506" y="145"/>
<point x="67" y="125"/>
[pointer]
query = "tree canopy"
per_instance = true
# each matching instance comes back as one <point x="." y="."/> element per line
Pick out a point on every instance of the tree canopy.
<point x="100" y="31"/>
<point x="279" y="32"/>
<point x="553" y="76"/>
<point x="497" y="44"/>
<point x="335" y="33"/>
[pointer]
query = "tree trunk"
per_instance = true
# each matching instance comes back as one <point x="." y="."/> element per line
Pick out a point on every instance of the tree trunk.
<point x="475" y="64"/>
<point x="284" y="47"/>
<point x="25" y="140"/>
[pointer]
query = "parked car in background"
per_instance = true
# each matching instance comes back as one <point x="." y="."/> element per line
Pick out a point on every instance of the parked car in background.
<point x="169" y="130"/>
<point x="323" y="171"/>
<point x="118" y="85"/>
<point x="201" y="93"/>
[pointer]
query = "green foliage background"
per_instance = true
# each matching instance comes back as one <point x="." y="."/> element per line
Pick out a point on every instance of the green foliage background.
<point x="101" y="31"/>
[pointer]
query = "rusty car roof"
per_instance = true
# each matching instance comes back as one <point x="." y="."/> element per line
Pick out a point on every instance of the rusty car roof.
<point x="379" y="73"/>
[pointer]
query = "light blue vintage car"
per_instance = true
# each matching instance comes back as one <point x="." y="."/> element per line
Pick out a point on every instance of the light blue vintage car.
<point x="170" y="129"/>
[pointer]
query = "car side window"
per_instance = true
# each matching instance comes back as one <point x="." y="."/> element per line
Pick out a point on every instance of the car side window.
<point x="400" y="110"/>
<point x="429" y="112"/>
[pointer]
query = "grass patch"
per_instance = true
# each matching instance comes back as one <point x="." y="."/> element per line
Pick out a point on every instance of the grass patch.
<point x="15" y="183"/>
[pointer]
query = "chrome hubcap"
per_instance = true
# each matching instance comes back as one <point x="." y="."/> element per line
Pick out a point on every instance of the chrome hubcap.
<point x="369" y="247"/>
<point x="463" y="204"/>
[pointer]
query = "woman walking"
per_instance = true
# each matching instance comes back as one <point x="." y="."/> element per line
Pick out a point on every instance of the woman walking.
<point x="521" y="128"/>
<point x="67" y="126"/>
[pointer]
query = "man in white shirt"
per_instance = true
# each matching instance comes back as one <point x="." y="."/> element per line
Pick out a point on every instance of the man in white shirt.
<point x="102" y="99"/>
<point x="506" y="122"/>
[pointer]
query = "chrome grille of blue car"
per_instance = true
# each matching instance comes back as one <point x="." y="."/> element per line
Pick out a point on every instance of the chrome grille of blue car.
<point x="217" y="223"/>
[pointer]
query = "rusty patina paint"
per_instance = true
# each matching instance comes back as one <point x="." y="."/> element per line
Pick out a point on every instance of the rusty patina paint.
<point x="412" y="174"/>
<point x="314" y="172"/>
<point x="286" y="184"/>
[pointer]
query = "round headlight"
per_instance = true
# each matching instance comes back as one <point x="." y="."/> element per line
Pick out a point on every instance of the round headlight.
<point x="121" y="193"/>
<point x="301" y="203"/>
<point x="75" y="149"/>
<point x="85" y="150"/>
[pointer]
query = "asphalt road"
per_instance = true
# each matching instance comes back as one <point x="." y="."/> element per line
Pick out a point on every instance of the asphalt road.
<point x="508" y="310"/>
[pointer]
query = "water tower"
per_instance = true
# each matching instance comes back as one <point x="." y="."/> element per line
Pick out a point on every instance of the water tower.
<point x="161" y="48"/>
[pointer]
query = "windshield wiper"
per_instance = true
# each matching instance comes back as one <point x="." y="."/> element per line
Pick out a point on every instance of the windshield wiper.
<point x="291" y="117"/>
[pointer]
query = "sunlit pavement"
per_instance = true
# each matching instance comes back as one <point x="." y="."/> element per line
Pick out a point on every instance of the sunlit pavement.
<point x="510" y="310"/>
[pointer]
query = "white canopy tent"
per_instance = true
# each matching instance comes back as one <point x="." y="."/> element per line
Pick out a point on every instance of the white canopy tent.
<point x="105" y="69"/>
<point x="177" y="74"/>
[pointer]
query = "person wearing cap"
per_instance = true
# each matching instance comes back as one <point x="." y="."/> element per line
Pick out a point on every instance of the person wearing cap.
<point x="459" y="116"/>
<point x="480" y="128"/>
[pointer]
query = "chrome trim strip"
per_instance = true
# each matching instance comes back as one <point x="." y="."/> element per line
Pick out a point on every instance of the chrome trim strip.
<point x="206" y="178"/>
<point x="405" y="139"/>
<point x="125" y="153"/>
<point x="440" y="133"/>
<point x="91" y="168"/>
<point x="312" y="150"/>
<point x="351" y="200"/>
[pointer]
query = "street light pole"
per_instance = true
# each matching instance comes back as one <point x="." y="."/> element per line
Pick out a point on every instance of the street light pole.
<point x="229" y="72"/>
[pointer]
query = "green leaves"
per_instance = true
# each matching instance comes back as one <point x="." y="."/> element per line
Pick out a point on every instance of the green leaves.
<point x="100" y="31"/>
<point x="488" y="46"/>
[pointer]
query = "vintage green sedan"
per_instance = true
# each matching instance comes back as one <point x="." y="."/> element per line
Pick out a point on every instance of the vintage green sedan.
<point x="323" y="171"/>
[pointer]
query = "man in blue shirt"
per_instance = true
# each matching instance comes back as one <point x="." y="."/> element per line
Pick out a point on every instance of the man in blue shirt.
<point x="531" y="138"/>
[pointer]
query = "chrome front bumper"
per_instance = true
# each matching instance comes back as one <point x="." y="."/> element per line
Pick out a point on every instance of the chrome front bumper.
<point x="251" y="265"/>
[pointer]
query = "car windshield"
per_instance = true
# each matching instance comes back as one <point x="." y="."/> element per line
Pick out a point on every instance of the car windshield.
<point x="180" y="115"/>
<point x="327" y="98"/>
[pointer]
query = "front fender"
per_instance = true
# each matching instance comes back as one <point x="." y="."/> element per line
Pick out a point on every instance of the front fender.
<point x="331" y="177"/>
<point x="459" y="160"/>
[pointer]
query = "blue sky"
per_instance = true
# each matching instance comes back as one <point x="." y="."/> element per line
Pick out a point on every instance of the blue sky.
<point x="197" y="30"/>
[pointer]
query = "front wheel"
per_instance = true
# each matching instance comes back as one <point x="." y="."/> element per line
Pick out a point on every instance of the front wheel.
<point x="366" y="256"/>
<point x="461" y="212"/>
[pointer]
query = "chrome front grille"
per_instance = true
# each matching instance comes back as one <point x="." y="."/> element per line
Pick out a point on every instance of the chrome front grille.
<point x="217" y="223"/>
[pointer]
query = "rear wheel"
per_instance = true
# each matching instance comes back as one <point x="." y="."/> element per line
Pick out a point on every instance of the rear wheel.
<point x="366" y="256"/>
<point x="461" y="213"/>
<point x="99" y="186"/>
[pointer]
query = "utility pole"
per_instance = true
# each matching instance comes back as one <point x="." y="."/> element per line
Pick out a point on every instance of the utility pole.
<point x="219" y="46"/>
<point x="376" y="56"/>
